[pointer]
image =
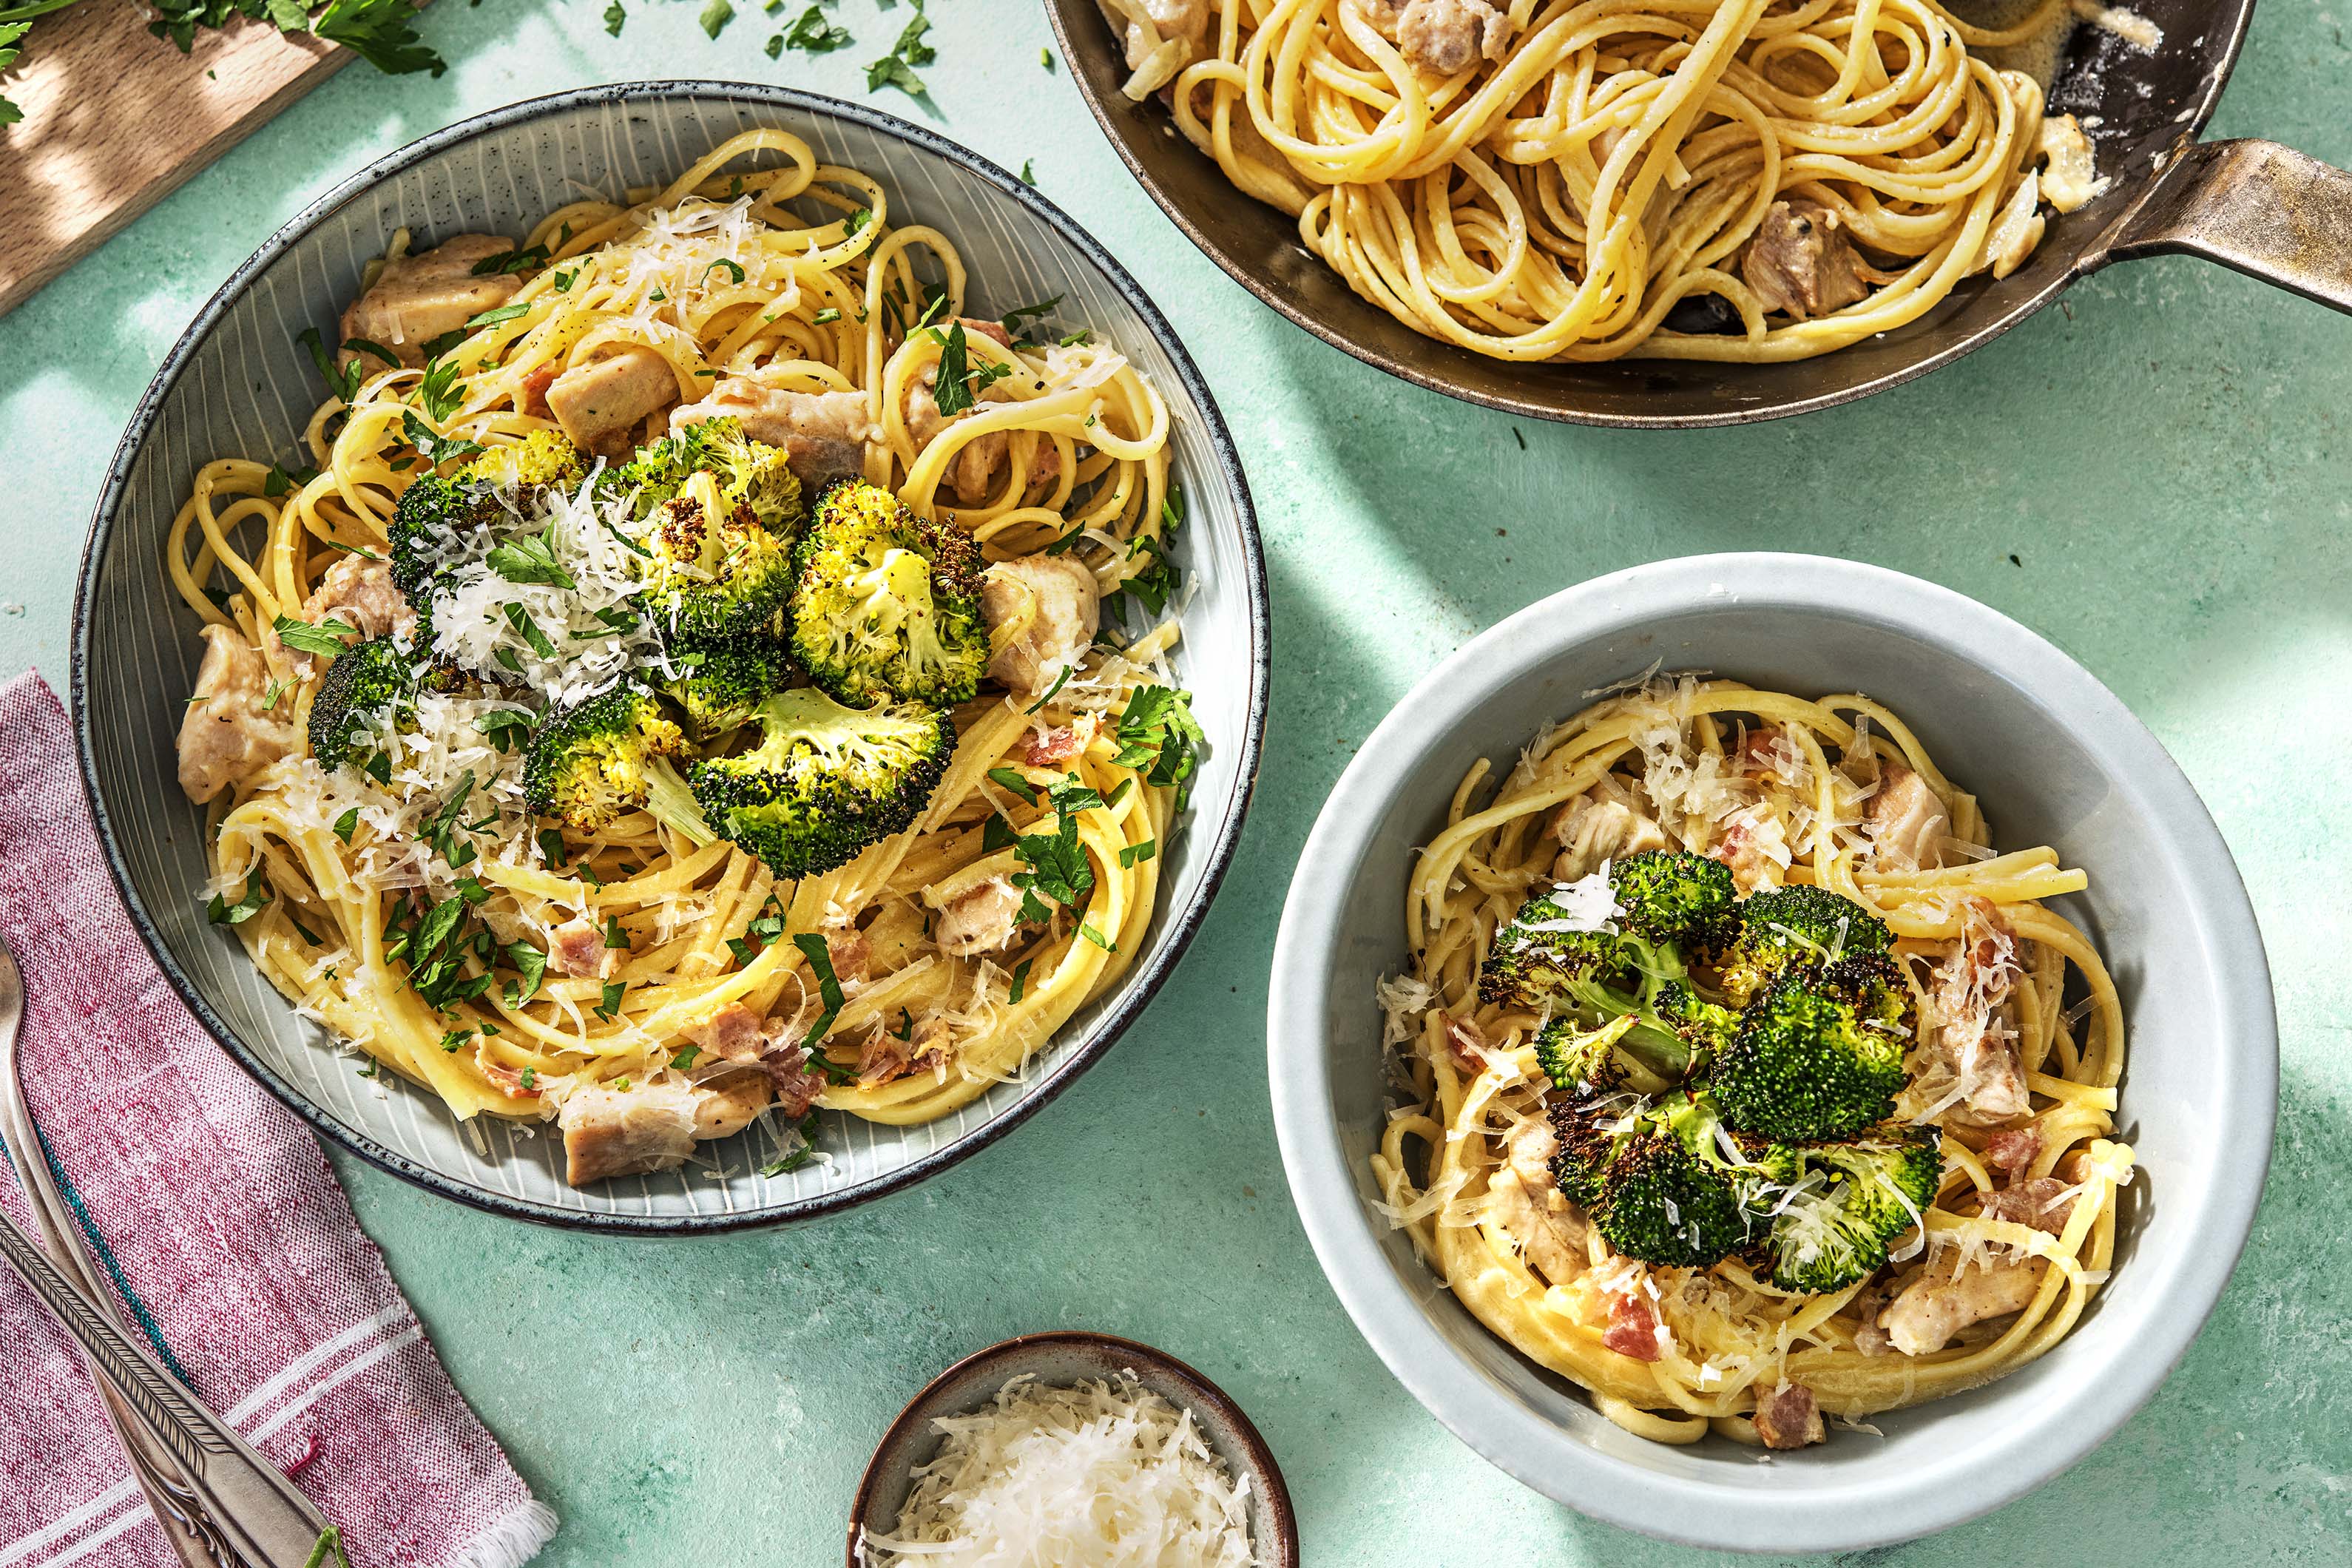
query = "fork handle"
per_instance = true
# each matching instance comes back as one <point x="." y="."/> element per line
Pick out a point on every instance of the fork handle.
<point x="257" y="1511"/>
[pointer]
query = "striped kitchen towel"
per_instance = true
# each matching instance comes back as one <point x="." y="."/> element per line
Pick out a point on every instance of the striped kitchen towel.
<point x="230" y="1244"/>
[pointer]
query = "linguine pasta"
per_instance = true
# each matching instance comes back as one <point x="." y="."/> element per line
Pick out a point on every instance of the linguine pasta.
<point x="1540" y="180"/>
<point x="793" y="278"/>
<point x="1784" y="789"/>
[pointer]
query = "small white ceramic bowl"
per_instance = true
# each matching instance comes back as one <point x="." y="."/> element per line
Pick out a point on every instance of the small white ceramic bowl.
<point x="2056" y="759"/>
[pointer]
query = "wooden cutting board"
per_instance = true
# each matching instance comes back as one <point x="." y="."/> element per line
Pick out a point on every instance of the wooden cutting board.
<point x="115" y="118"/>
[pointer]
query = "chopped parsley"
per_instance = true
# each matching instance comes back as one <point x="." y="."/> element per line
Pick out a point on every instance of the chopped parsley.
<point x="1020" y="980"/>
<point x="613" y="17"/>
<point x="1011" y="779"/>
<point x="441" y="390"/>
<point x="896" y="68"/>
<point x="813" y="34"/>
<point x="1135" y="854"/>
<point x="715" y="17"/>
<point x="1158" y="728"/>
<point x="610" y="1007"/>
<point x="511" y="261"/>
<point x="530" y="559"/>
<point x="960" y="383"/>
<point x="497" y="314"/>
<point x="685" y="1056"/>
<point x="434" y="446"/>
<point x="1056" y="861"/>
<point x="347" y="825"/>
<point x="221" y="912"/>
<point x="828" y="989"/>
<point x="325" y="638"/>
<point x="529" y="967"/>
<point x="806" y="1127"/>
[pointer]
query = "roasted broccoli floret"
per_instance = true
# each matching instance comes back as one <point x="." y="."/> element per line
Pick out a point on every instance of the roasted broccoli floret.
<point x="723" y="685"/>
<point x="434" y="514"/>
<point x="1670" y="896"/>
<point x="1819" y="1051"/>
<point x="1835" y="1208"/>
<point x="1544" y="959"/>
<point x="1707" y="1030"/>
<point x="1652" y="1179"/>
<point x="365" y="685"/>
<point x="745" y="473"/>
<point x="825" y="781"/>
<point x="886" y="604"/>
<point x="608" y="754"/>
<point x="541" y="459"/>
<point x="1784" y="926"/>
<point x="712" y="570"/>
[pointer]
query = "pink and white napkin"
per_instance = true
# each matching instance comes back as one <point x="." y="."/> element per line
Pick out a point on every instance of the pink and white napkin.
<point x="230" y="1244"/>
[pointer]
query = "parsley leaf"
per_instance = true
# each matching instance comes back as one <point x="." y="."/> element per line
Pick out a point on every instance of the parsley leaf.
<point x="511" y="261"/>
<point x="435" y="447"/>
<point x="347" y="825"/>
<point x="1158" y="728"/>
<point x="343" y="381"/>
<point x="1020" y="980"/>
<point x="1011" y="779"/>
<point x="685" y="1056"/>
<point x="221" y="912"/>
<point x="530" y="965"/>
<point x="326" y="637"/>
<point x="959" y="383"/>
<point x="716" y="16"/>
<point x="614" y="16"/>
<point x="1056" y="860"/>
<point x="381" y="32"/>
<point x="828" y="989"/>
<point x="529" y="558"/>
<point x="610" y="1009"/>
<point x="500" y="725"/>
<point x="492" y="317"/>
<point x="896" y="68"/>
<point x="813" y="34"/>
<point x="520" y="619"/>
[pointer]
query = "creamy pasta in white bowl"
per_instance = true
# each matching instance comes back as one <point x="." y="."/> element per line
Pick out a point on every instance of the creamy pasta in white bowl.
<point x="711" y="660"/>
<point x="1736" y="1139"/>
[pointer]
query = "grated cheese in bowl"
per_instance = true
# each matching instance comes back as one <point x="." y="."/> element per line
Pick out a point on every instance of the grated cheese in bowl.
<point x="1106" y="1474"/>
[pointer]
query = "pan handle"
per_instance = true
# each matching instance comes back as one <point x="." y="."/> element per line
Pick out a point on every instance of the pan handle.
<point x="2257" y="208"/>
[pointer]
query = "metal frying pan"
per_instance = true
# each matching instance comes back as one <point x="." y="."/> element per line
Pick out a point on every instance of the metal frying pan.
<point x="2264" y="209"/>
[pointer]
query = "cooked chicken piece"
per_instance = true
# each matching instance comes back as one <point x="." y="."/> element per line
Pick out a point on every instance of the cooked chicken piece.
<point x="1043" y="610"/>
<point x="576" y="948"/>
<point x="228" y="735"/>
<point x="600" y="405"/>
<point x="1788" y="1418"/>
<point x="627" y="1132"/>
<point x="734" y="1032"/>
<point x="1527" y="1203"/>
<point x="2015" y="231"/>
<point x="824" y="434"/>
<point x="1868" y="1305"/>
<point x="1906" y="822"/>
<point x="418" y="298"/>
<point x="1383" y="15"/>
<point x="2069" y="174"/>
<point x="1446" y="36"/>
<point x="1968" y="1053"/>
<point x="1801" y="261"/>
<point x="358" y="591"/>
<point x="1937" y="1305"/>
<point x="1593" y="827"/>
<point x="2044" y="1203"/>
<point x="1186" y="20"/>
<point x="976" y="914"/>
<point x="1755" y="845"/>
<point x="887" y="1058"/>
<point x="726" y="1103"/>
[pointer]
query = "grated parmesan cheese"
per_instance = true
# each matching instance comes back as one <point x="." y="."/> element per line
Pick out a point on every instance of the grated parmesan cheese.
<point x="1103" y="1475"/>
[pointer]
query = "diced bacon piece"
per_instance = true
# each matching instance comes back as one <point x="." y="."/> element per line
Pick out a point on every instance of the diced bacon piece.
<point x="1633" y="1327"/>
<point x="734" y="1032"/>
<point x="849" y="954"/>
<point x="627" y="1132"/>
<point x="797" y="1084"/>
<point x="600" y="405"/>
<point x="885" y="1057"/>
<point x="1788" y="1418"/>
<point x="1054" y="747"/>
<point x="1051" y="607"/>
<point x="1464" y="1042"/>
<point x="229" y="732"/>
<point x="577" y="949"/>
<point x="2014" y="1149"/>
<point x="2044" y="1203"/>
<point x="418" y="298"/>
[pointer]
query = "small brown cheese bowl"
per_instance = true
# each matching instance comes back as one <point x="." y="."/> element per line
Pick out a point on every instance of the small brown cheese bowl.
<point x="1059" y="1360"/>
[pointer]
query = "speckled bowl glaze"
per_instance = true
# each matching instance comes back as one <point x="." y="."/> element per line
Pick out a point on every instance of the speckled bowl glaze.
<point x="1061" y="1359"/>
<point x="238" y="383"/>
<point x="2056" y="759"/>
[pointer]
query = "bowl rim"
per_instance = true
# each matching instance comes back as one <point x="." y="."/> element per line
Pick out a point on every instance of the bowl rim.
<point x="1200" y="1391"/>
<point x="1137" y="988"/>
<point x="1831" y="1513"/>
<point x="1069" y="16"/>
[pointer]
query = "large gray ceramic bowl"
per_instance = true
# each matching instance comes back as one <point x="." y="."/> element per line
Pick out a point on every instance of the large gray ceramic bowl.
<point x="2056" y="759"/>
<point x="237" y="383"/>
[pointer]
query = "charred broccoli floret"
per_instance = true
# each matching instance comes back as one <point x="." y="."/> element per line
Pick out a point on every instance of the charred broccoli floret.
<point x="722" y="686"/>
<point x="1578" y="1060"/>
<point x="1819" y="1051"/>
<point x="608" y="754"/>
<point x="364" y="686"/>
<point x="1666" y="895"/>
<point x="1792" y="925"/>
<point x="1704" y="1027"/>
<point x="825" y="781"/>
<point x="1544" y="959"/>
<point x="713" y="572"/>
<point x="1835" y="1208"/>
<point x="436" y="513"/>
<point x="886" y="604"/>
<point x="744" y="472"/>
<point x="541" y="459"/>
<point x="1652" y="1179"/>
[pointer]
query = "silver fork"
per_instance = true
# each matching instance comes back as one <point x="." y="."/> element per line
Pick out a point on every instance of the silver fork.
<point x="221" y="1504"/>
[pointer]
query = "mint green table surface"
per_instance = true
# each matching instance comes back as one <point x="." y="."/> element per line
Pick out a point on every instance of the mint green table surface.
<point x="2156" y="475"/>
